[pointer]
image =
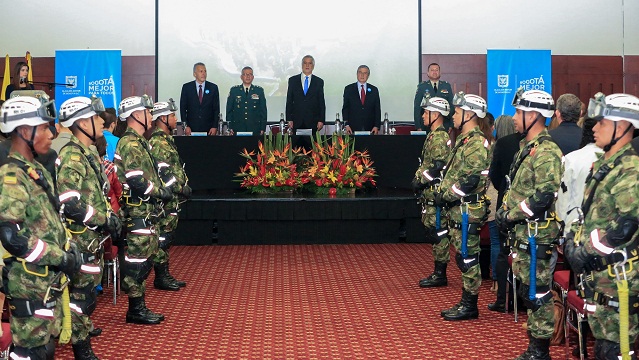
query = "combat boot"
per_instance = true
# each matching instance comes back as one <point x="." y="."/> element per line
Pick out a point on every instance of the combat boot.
<point x="162" y="280"/>
<point x="455" y="307"/>
<point x="437" y="278"/>
<point x="538" y="349"/>
<point x="468" y="309"/>
<point x="605" y="349"/>
<point x="176" y="281"/>
<point x="82" y="350"/>
<point x="139" y="314"/>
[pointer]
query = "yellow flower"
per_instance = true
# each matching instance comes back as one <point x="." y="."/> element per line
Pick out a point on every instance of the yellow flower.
<point x="331" y="176"/>
<point x="271" y="159"/>
<point x="253" y="171"/>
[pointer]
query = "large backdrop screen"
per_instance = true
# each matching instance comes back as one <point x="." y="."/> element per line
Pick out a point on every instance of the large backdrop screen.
<point x="273" y="36"/>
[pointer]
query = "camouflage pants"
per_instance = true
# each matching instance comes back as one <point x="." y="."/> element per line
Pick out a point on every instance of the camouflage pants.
<point x="471" y="279"/>
<point x="139" y="258"/>
<point x="541" y="323"/>
<point x="167" y="225"/>
<point x="441" y="251"/>
<point x="83" y="282"/>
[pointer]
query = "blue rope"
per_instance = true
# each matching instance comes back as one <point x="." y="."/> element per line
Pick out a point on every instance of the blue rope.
<point x="464" y="240"/>
<point x="532" y="291"/>
<point x="438" y="218"/>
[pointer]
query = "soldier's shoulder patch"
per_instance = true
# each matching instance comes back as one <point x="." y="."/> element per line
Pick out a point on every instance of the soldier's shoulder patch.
<point x="10" y="178"/>
<point x="443" y="82"/>
<point x="75" y="157"/>
<point x="134" y="144"/>
<point x="236" y="86"/>
<point x="257" y="86"/>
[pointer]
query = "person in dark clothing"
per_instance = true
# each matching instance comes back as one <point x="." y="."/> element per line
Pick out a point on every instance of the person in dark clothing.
<point x="568" y="134"/>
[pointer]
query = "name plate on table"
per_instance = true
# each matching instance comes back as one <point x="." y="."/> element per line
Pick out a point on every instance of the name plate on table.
<point x="304" y="132"/>
<point x="199" y="133"/>
<point x="244" y="133"/>
<point x="418" y="132"/>
<point x="358" y="133"/>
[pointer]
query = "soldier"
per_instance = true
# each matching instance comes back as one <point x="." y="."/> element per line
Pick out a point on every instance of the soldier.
<point x="528" y="215"/>
<point x="246" y="105"/>
<point x="166" y="155"/>
<point x="602" y="245"/>
<point x="462" y="193"/>
<point x="143" y="198"/>
<point x="433" y="87"/>
<point x="427" y="178"/>
<point x="32" y="231"/>
<point x="81" y="176"/>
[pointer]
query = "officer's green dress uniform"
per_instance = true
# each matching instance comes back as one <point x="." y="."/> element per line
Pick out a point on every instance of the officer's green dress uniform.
<point x="246" y="111"/>
<point x="425" y="89"/>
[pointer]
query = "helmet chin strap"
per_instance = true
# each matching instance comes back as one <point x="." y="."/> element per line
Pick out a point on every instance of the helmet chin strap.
<point x="145" y="125"/>
<point x="92" y="138"/>
<point x="30" y="142"/>
<point x="463" y="122"/>
<point x="167" y="121"/>
<point x="527" y="129"/>
<point x="614" y="140"/>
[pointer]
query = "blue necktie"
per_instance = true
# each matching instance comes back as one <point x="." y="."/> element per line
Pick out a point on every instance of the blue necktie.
<point x="305" y="85"/>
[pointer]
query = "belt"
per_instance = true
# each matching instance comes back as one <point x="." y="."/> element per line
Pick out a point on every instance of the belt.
<point x="468" y="199"/>
<point x="613" y="302"/>
<point x="600" y="263"/>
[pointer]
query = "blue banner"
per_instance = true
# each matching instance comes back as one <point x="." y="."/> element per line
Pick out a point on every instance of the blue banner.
<point x="89" y="72"/>
<point x="507" y="70"/>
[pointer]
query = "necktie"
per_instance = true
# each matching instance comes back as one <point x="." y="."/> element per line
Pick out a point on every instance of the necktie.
<point x="305" y="85"/>
<point x="435" y="87"/>
<point x="199" y="94"/>
<point x="362" y="94"/>
<point x="246" y="90"/>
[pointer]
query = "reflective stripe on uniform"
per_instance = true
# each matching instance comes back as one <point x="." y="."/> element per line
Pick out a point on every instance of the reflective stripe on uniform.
<point x="37" y="252"/>
<point x="75" y="308"/>
<point x="524" y="207"/>
<point x="143" y="232"/>
<point x="594" y="236"/>
<point x="133" y="260"/>
<point x="133" y="173"/>
<point x="90" y="269"/>
<point x="89" y="214"/>
<point x="44" y="313"/>
<point x="68" y="195"/>
<point x="458" y="191"/>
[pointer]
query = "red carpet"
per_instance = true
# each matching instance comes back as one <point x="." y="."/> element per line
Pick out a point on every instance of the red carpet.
<point x="306" y="302"/>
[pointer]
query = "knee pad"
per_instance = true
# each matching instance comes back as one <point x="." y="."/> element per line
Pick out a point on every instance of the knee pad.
<point x="466" y="264"/>
<point x="86" y="306"/>
<point x="534" y="305"/>
<point x="139" y="271"/>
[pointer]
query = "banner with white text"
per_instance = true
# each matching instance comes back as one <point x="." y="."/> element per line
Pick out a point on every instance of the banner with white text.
<point x="89" y="72"/>
<point x="507" y="70"/>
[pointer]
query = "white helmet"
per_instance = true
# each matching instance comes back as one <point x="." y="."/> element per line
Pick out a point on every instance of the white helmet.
<point x="134" y="103"/>
<point x="25" y="110"/>
<point x="474" y="103"/>
<point x="437" y="104"/>
<point x="79" y="107"/>
<point x="163" y="108"/>
<point x="615" y="107"/>
<point x="534" y="100"/>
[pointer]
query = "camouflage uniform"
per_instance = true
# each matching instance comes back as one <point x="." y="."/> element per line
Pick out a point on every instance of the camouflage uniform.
<point x="78" y="174"/>
<point x="615" y="197"/>
<point x="539" y="172"/>
<point x="140" y="210"/>
<point x="164" y="150"/>
<point x="25" y="203"/>
<point x="436" y="149"/>
<point x="470" y="160"/>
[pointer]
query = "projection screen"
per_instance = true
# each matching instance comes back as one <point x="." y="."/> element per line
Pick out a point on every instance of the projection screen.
<point x="273" y="36"/>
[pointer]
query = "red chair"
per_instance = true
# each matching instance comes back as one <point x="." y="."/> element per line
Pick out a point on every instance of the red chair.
<point x="275" y="129"/>
<point x="5" y="341"/>
<point x="576" y="319"/>
<point x="403" y="129"/>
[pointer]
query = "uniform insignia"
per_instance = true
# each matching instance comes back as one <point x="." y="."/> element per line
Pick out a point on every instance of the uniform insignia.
<point x="533" y="151"/>
<point x="75" y="157"/>
<point x="255" y="97"/>
<point x="444" y="91"/>
<point x="466" y="140"/>
<point x="134" y="143"/>
<point x="10" y="180"/>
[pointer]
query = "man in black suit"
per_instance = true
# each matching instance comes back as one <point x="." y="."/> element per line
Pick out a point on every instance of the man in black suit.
<point x="568" y="134"/>
<point x="361" y="109"/>
<point x="305" y="105"/>
<point x="200" y="103"/>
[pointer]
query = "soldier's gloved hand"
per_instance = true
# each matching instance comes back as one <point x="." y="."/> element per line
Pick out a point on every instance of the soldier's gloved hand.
<point x="113" y="226"/>
<point x="167" y="177"/>
<point x="165" y="194"/>
<point x="74" y="210"/>
<point x="417" y="185"/>
<point x="439" y="200"/>
<point x="186" y="191"/>
<point x="71" y="261"/>
<point x="501" y="219"/>
<point x="577" y="256"/>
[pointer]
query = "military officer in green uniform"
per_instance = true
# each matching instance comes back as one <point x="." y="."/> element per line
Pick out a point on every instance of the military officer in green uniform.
<point x="434" y="87"/>
<point x="528" y="215"/>
<point x="32" y="231"/>
<point x="144" y="196"/>
<point x="463" y="193"/>
<point x="80" y="176"/>
<point x="603" y="245"/>
<point x="246" y="105"/>
<point x="166" y="155"/>
<point x="427" y="178"/>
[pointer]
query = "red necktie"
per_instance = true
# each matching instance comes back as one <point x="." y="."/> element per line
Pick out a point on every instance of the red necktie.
<point x="362" y="94"/>
<point x="199" y="94"/>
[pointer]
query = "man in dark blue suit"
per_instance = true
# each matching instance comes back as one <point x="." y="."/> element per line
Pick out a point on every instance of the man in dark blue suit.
<point x="361" y="110"/>
<point x="200" y="103"/>
<point x="305" y="105"/>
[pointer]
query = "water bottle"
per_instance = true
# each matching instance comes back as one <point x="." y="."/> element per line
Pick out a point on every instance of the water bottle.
<point x="385" y="125"/>
<point x="282" y="123"/>
<point x="220" y="126"/>
<point x="338" y="125"/>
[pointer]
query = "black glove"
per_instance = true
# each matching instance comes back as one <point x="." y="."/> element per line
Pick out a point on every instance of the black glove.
<point x="165" y="194"/>
<point x="71" y="261"/>
<point x="501" y="219"/>
<point x="576" y="256"/>
<point x="74" y="210"/>
<point x="167" y="178"/>
<point x="417" y="185"/>
<point x="439" y="200"/>
<point x="186" y="191"/>
<point x="113" y="226"/>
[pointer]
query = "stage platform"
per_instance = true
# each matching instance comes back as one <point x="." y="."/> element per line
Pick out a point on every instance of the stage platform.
<point x="235" y="217"/>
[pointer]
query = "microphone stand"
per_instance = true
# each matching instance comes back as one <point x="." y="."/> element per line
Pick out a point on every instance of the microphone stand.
<point x="49" y="84"/>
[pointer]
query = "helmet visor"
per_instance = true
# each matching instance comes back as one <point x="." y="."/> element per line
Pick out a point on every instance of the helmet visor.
<point x="460" y="100"/>
<point x="426" y="102"/>
<point x="598" y="109"/>
<point x="518" y="100"/>
<point x="46" y="112"/>
<point x="172" y="106"/>
<point x="96" y="106"/>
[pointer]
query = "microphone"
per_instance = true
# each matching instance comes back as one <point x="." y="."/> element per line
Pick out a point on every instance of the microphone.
<point x="22" y="80"/>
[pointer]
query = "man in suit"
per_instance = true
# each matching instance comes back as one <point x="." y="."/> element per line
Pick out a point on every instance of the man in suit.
<point x="361" y="109"/>
<point x="568" y="134"/>
<point x="435" y="87"/>
<point x="200" y="103"/>
<point x="305" y="105"/>
<point x="246" y="105"/>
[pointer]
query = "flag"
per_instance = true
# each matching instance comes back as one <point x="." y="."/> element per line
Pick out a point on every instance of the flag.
<point x="30" y="77"/>
<point x="6" y="80"/>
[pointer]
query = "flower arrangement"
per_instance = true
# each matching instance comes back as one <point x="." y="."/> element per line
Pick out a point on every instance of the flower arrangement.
<point x="335" y="167"/>
<point x="275" y="166"/>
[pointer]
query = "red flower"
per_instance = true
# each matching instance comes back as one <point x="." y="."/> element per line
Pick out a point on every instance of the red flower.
<point x="318" y="182"/>
<point x="332" y="191"/>
<point x="358" y="184"/>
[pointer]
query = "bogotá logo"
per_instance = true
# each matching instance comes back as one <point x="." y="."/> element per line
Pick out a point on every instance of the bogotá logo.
<point x="102" y="86"/>
<point x="71" y="81"/>
<point x="502" y="81"/>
